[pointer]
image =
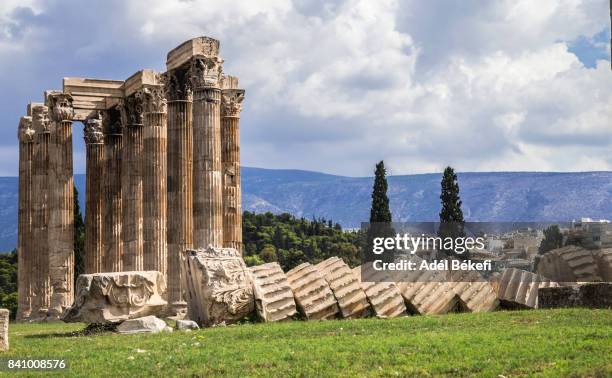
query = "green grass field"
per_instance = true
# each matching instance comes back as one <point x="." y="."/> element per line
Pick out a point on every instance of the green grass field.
<point x="570" y="342"/>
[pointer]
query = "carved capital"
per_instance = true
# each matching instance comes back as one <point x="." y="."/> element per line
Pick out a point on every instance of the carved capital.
<point x="61" y="107"/>
<point x="205" y="72"/>
<point x="40" y="119"/>
<point x="231" y="102"/>
<point x="25" y="133"/>
<point x="131" y="109"/>
<point x="153" y="99"/>
<point x="178" y="85"/>
<point x="92" y="132"/>
<point x="113" y="123"/>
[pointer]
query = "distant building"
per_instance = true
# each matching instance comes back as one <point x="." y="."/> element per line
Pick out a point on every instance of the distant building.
<point x="592" y="233"/>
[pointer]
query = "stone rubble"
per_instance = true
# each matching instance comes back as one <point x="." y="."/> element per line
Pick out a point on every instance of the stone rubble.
<point x="146" y="324"/>
<point x="114" y="297"/>
<point x="273" y="296"/>
<point x="350" y="296"/>
<point x="312" y="293"/>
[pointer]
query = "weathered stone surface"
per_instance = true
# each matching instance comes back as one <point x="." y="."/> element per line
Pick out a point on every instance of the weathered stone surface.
<point x="219" y="286"/>
<point x="474" y="292"/>
<point x="519" y="288"/>
<point x="146" y="324"/>
<point x="4" y="328"/>
<point x="183" y="325"/>
<point x="312" y="293"/>
<point x="94" y="194"/>
<point x="115" y="297"/>
<point x="273" y="296"/>
<point x="180" y="181"/>
<point x="592" y="295"/>
<point x="350" y="296"/>
<point x="570" y="264"/>
<point x="231" y="105"/>
<point x="384" y="296"/>
<point x="426" y="292"/>
<point x="603" y="257"/>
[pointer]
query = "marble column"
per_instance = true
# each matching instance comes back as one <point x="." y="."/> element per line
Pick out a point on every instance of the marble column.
<point x="113" y="144"/>
<point x="25" y="256"/>
<point x="180" y="181"/>
<point x="154" y="179"/>
<point x="94" y="194"/>
<point x="207" y="181"/>
<point x="131" y="183"/>
<point x="40" y="213"/>
<point x="61" y="204"/>
<point x="231" y="105"/>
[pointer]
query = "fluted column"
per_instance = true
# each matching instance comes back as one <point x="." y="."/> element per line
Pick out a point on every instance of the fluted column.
<point x="180" y="181"/>
<point x="231" y="105"/>
<point x="131" y="183"/>
<point x="61" y="205"/>
<point x="25" y="256"/>
<point x="40" y="217"/>
<point x="154" y="179"/>
<point x="207" y="182"/>
<point x="113" y="144"/>
<point x="94" y="194"/>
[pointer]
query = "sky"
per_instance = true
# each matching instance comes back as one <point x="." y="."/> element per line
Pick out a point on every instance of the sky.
<point x="335" y="86"/>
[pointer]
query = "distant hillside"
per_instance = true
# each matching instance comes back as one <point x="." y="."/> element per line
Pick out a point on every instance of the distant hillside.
<point x="500" y="196"/>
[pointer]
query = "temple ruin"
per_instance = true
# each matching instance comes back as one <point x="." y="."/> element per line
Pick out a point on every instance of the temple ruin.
<point x="162" y="171"/>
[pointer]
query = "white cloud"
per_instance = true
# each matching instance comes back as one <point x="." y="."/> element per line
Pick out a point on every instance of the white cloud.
<point x="336" y="86"/>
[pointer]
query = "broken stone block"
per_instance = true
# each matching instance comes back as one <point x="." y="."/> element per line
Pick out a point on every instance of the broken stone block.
<point x="219" y="286"/>
<point x="312" y="293"/>
<point x="350" y="296"/>
<point x="518" y="289"/>
<point x="570" y="264"/>
<point x="273" y="296"/>
<point x="426" y="292"/>
<point x="115" y="297"/>
<point x="475" y="294"/>
<point x="146" y="324"/>
<point x="183" y="325"/>
<point x="603" y="257"/>
<point x="591" y="295"/>
<point x="4" y="328"/>
<point x="384" y="296"/>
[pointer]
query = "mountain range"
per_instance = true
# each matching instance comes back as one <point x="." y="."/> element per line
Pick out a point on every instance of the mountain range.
<point x="486" y="196"/>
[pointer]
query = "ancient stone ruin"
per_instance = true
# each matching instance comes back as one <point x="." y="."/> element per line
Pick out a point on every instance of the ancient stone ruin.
<point x="163" y="176"/>
<point x="4" y="328"/>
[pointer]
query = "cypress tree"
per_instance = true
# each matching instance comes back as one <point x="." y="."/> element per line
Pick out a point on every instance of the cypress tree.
<point x="380" y="216"/>
<point x="79" y="237"/>
<point x="380" y="213"/>
<point x="451" y="216"/>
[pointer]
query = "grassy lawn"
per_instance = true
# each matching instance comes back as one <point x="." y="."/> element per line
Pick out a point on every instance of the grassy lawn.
<point x="571" y="342"/>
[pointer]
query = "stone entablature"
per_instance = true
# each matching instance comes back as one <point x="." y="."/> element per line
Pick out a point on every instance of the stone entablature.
<point x="151" y="139"/>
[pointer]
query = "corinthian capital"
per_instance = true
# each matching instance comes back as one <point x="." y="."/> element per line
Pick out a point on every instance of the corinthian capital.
<point x="131" y="109"/>
<point x="25" y="133"/>
<point x="153" y="99"/>
<point x="205" y="71"/>
<point x="40" y="119"/>
<point x="61" y="106"/>
<point x="92" y="133"/>
<point x="178" y="85"/>
<point x="231" y="102"/>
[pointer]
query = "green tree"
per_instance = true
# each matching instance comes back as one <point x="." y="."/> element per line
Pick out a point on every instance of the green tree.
<point x="379" y="212"/>
<point x="451" y="215"/>
<point x="79" y="238"/>
<point x="268" y="253"/>
<point x="553" y="239"/>
<point x="380" y="215"/>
